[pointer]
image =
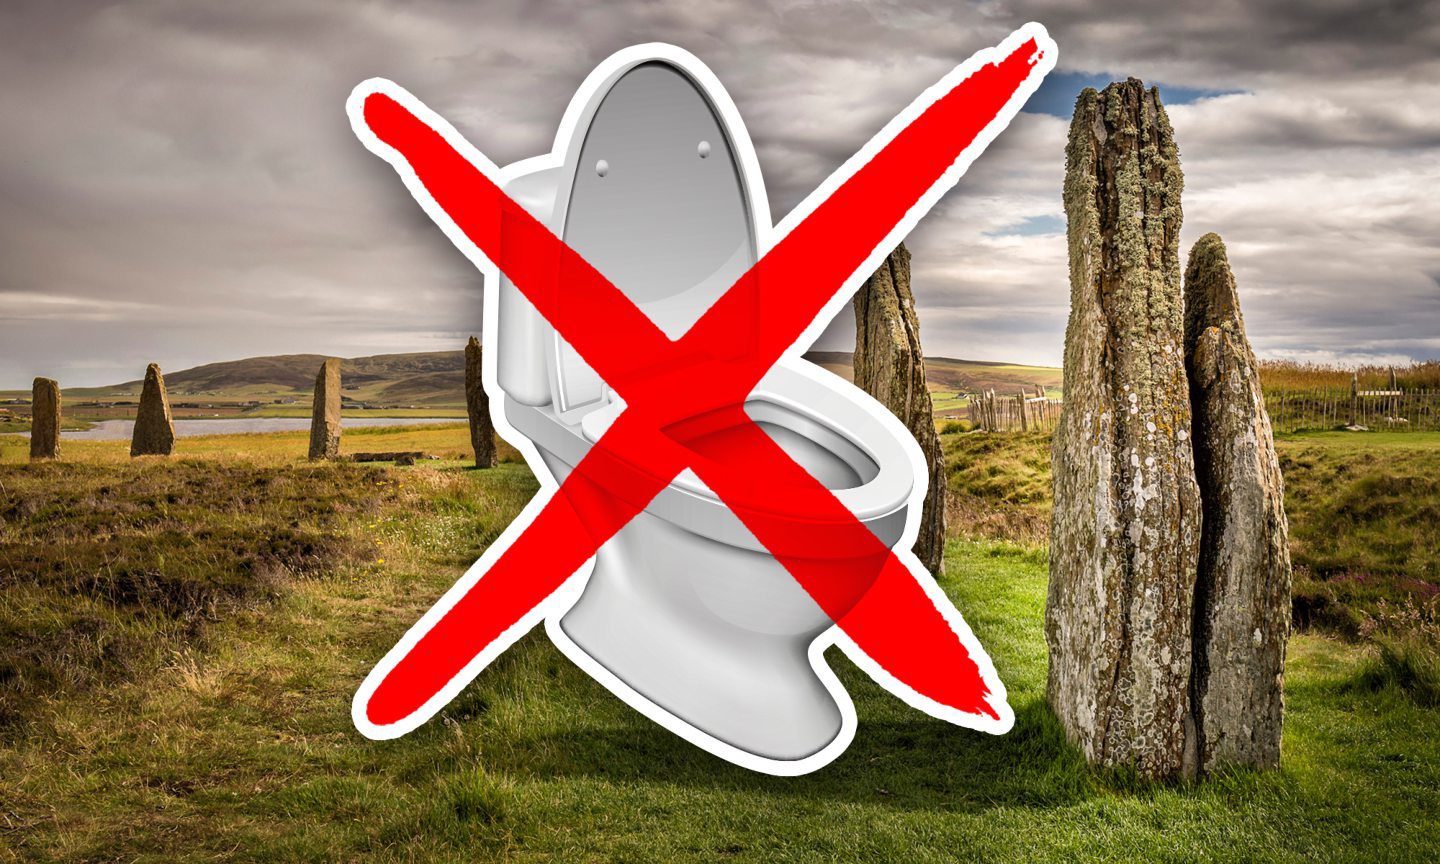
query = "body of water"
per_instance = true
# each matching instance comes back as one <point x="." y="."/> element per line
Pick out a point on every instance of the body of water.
<point x="121" y="430"/>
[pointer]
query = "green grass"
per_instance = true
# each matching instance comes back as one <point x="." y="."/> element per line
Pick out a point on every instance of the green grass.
<point x="999" y="485"/>
<point x="8" y="427"/>
<point x="1364" y="521"/>
<point x="1364" y="511"/>
<point x="105" y="567"/>
<point x="226" y="733"/>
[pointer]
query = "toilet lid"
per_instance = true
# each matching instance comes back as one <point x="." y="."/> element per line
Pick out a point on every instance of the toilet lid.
<point x="654" y="196"/>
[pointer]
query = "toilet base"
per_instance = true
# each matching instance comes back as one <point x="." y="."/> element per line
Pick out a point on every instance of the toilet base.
<point x="714" y="635"/>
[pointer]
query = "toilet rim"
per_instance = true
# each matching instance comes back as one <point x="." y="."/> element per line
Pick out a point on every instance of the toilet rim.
<point x="812" y="398"/>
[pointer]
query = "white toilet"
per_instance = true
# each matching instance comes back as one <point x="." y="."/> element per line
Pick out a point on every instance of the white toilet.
<point x="684" y="609"/>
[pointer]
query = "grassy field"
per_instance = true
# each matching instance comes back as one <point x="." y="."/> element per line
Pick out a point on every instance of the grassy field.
<point x="1364" y="512"/>
<point x="10" y="426"/>
<point x="82" y="417"/>
<point x="449" y="441"/>
<point x="187" y="634"/>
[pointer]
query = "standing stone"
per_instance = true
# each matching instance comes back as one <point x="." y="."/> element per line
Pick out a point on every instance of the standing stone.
<point x="1125" y="529"/>
<point x="890" y="365"/>
<point x="482" y="433"/>
<point x="154" y="433"/>
<point x="44" y="419"/>
<point x="325" y="412"/>
<point x="1242" y="595"/>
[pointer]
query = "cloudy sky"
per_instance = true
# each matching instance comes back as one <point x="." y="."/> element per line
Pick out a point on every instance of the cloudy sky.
<point x="178" y="182"/>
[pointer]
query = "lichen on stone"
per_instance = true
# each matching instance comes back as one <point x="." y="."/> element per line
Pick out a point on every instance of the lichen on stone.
<point x="1126" y="522"/>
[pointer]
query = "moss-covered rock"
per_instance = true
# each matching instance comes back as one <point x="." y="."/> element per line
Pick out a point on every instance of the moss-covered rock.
<point x="1242" y="593"/>
<point x="1125" y="529"/>
<point x="890" y="365"/>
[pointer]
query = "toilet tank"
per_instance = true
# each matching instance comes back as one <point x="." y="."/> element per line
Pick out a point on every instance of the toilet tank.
<point x="520" y="331"/>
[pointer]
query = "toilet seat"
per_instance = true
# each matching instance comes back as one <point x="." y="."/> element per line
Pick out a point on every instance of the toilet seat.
<point x="789" y="397"/>
<point x="801" y="401"/>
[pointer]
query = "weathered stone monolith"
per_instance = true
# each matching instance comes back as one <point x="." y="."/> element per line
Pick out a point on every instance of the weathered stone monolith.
<point x="154" y="433"/>
<point x="482" y="432"/>
<point x="1125" y="529"/>
<point x="325" y="412"/>
<point x="890" y="365"/>
<point x="44" y="419"/>
<point x="1242" y="595"/>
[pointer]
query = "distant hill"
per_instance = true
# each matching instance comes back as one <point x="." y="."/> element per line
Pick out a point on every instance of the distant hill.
<point x="437" y="378"/>
<point x="960" y="376"/>
<point x="432" y="378"/>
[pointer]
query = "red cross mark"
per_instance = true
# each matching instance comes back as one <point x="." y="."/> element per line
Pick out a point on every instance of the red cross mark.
<point x="669" y="424"/>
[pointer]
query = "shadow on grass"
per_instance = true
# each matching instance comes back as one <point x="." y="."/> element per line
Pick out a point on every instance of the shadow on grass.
<point x="912" y="764"/>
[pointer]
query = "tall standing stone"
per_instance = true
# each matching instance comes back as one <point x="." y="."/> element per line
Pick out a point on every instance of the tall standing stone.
<point x="890" y="365"/>
<point x="1125" y="529"/>
<point x="154" y="433"/>
<point x="477" y="404"/>
<point x="1242" y="595"/>
<point x="44" y="419"/>
<point x="325" y="412"/>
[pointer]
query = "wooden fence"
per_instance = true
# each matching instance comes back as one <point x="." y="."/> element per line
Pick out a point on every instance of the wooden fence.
<point x="1290" y="409"/>
<point x="1337" y="407"/>
<point x="1023" y="411"/>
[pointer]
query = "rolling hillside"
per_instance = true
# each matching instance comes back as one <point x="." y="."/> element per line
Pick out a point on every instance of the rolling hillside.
<point x="436" y="380"/>
<point x="966" y="376"/>
<point x="431" y="379"/>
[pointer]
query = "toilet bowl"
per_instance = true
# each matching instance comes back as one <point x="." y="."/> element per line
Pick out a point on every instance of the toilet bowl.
<point x="685" y="613"/>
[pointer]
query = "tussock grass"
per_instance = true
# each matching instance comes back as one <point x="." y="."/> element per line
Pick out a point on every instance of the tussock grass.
<point x="1407" y="639"/>
<point x="245" y="751"/>
<point x="236" y="744"/>
<point x="1364" y="511"/>
<point x="999" y="485"/>
<point x="1364" y="514"/>
<point x="106" y="568"/>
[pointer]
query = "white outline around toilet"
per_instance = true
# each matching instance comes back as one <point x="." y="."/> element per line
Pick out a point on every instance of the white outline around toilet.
<point x="555" y="606"/>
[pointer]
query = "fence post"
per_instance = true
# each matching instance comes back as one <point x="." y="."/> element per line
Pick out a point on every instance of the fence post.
<point x="1354" y="398"/>
<point x="1394" y="395"/>
<point x="1024" y="413"/>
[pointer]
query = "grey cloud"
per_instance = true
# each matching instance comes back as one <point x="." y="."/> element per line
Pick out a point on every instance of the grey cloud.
<point x="179" y="182"/>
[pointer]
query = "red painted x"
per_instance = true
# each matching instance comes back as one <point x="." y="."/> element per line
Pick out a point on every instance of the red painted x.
<point x="670" y="424"/>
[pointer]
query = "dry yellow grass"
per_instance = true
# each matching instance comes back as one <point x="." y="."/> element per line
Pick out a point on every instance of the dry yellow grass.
<point x="449" y="441"/>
